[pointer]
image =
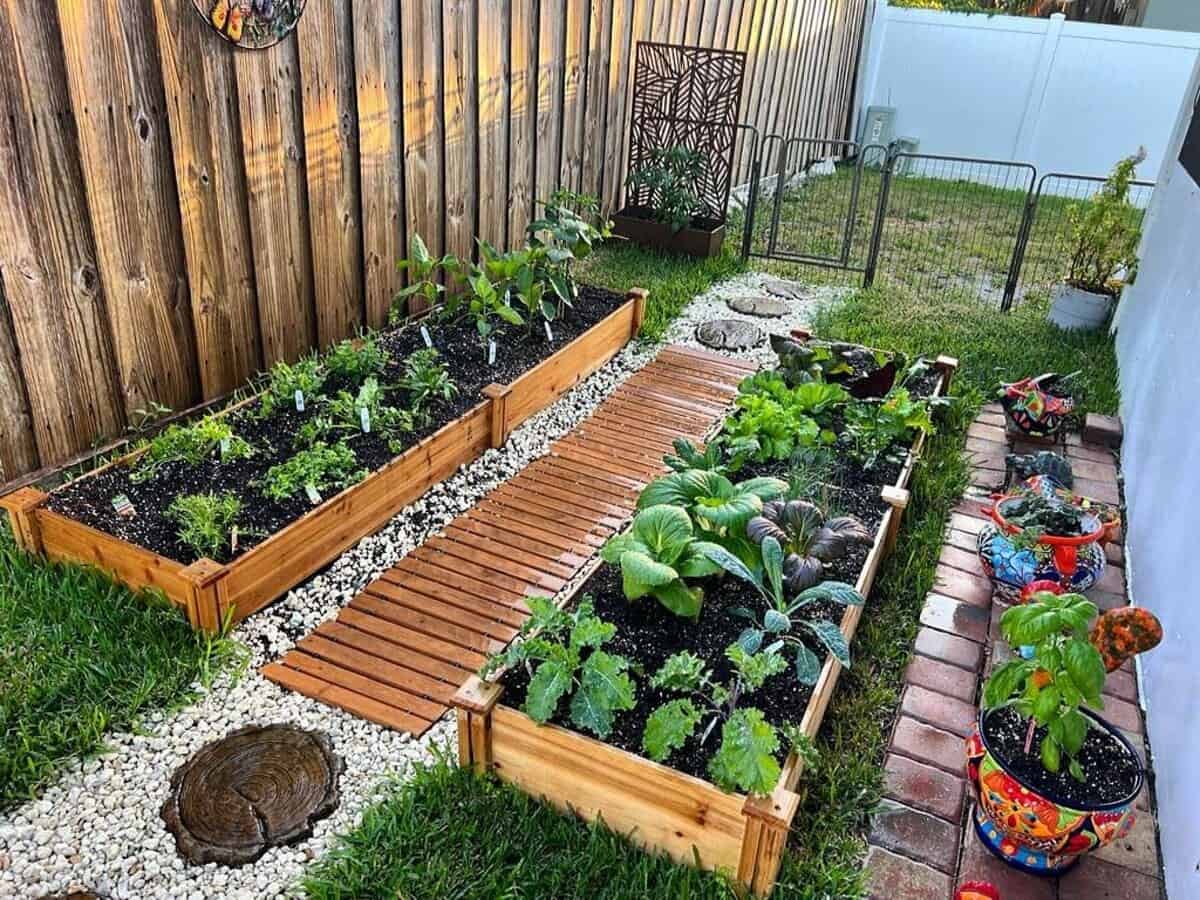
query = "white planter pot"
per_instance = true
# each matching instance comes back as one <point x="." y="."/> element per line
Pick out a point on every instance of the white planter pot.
<point x="1072" y="308"/>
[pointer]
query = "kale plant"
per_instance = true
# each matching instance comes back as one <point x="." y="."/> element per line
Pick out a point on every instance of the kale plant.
<point x="423" y="271"/>
<point x="562" y="653"/>
<point x="745" y="759"/>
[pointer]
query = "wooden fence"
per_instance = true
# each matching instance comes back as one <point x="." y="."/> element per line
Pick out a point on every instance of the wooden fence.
<point x="176" y="215"/>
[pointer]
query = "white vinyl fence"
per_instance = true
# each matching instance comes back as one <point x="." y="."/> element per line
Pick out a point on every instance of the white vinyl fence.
<point x="1065" y="96"/>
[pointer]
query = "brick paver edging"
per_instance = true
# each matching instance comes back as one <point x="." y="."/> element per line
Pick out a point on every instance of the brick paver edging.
<point x="922" y="845"/>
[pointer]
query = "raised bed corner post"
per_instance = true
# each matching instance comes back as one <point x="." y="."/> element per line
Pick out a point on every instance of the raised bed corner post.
<point x="498" y="394"/>
<point x="203" y="602"/>
<point x="638" y="296"/>
<point x="22" y="506"/>
<point x="897" y="499"/>
<point x="768" y="820"/>
<point x="474" y="702"/>
<point x="947" y="365"/>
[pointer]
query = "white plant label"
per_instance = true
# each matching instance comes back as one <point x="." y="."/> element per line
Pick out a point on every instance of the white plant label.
<point x="426" y="338"/>
<point x="123" y="506"/>
<point x="299" y="400"/>
<point x="314" y="497"/>
<point x="549" y="333"/>
<point x="233" y="539"/>
<point x="492" y="352"/>
<point x="225" y="443"/>
<point x="364" y="416"/>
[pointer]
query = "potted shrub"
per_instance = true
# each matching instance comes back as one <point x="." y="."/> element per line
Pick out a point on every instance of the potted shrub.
<point x="1033" y="537"/>
<point x="1105" y="233"/>
<point x="665" y="210"/>
<point x="1053" y="780"/>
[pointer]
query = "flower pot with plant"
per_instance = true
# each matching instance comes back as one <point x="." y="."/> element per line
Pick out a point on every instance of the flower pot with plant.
<point x="1104" y="237"/>
<point x="1053" y="781"/>
<point x="665" y="211"/>
<point x="1033" y="537"/>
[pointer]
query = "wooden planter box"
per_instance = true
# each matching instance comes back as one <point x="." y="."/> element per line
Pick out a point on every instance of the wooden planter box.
<point x="208" y="590"/>
<point x="663" y="810"/>
<point x="649" y="233"/>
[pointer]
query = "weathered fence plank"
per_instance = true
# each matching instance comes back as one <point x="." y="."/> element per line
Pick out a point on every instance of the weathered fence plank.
<point x="112" y="69"/>
<point x="17" y="451"/>
<point x="493" y="91"/>
<point x="552" y="40"/>
<point x="198" y="81"/>
<point x="574" y="91"/>
<point x="331" y="148"/>
<point x="460" y="90"/>
<point x="273" y="151"/>
<point x="421" y="51"/>
<point x="377" y="70"/>
<point x="522" y="112"/>
<point x="620" y="53"/>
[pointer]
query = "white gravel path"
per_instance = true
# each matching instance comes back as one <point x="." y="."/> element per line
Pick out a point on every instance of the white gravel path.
<point x="99" y="828"/>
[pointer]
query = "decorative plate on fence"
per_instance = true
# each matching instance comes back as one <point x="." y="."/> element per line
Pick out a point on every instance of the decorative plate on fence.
<point x="251" y="24"/>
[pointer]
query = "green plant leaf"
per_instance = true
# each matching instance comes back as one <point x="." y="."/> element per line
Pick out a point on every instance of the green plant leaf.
<point x="746" y="758"/>
<point x="1045" y="704"/>
<point x="605" y="688"/>
<point x="680" y="599"/>
<point x="665" y="530"/>
<point x="764" y="488"/>
<point x="695" y="563"/>
<point x="669" y="728"/>
<point x="776" y="622"/>
<point x="1074" y="731"/>
<point x="772" y="558"/>
<point x="731" y="564"/>
<point x="1005" y="682"/>
<point x="641" y="574"/>
<point x="832" y="639"/>
<point x="1085" y="666"/>
<point x="751" y="639"/>
<point x="830" y="591"/>
<point x="551" y="680"/>
<point x="808" y="666"/>
<point x="591" y="632"/>
<point x="683" y="671"/>
<point x="1051" y="754"/>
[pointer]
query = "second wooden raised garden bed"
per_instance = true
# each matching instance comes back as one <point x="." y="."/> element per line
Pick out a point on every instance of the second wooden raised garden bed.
<point x="664" y="810"/>
<point x="209" y="592"/>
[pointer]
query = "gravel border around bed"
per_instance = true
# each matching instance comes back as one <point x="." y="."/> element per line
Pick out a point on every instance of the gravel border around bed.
<point x="99" y="827"/>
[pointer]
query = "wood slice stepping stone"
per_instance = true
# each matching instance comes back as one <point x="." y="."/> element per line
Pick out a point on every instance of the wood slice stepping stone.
<point x="729" y="334"/>
<point x="763" y="307"/>
<point x="255" y="788"/>
<point x="788" y="290"/>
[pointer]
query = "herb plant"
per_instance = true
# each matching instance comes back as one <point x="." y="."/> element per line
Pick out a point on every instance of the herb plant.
<point x="306" y="375"/>
<point x="656" y="554"/>
<point x="566" y="648"/>
<point x="320" y="467"/>
<point x="1105" y="233"/>
<point x="192" y="444"/>
<point x="356" y="361"/>
<point x="346" y="414"/>
<point x="1037" y="515"/>
<point x="1065" y="673"/>
<point x="423" y="273"/>
<point x="669" y="181"/>
<point x="879" y="431"/>
<point x="206" y="522"/>
<point x="808" y="539"/>
<point x="427" y="382"/>
<point x="745" y="759"/>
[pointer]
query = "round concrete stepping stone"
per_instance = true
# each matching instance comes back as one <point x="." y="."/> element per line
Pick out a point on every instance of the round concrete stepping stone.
<point x="788" y="290"/>
<point x="255" y="788"/>
<point x="730" y="334"/>
<point x="763" y="307"/>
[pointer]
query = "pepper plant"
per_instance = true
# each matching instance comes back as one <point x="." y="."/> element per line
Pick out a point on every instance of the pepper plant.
<point x="562" y="653"/>
<point x="745" y="759"/>
<point x="669" y="180"/>
<point x="1065" y="673"/>
<point x="423" y="271"/>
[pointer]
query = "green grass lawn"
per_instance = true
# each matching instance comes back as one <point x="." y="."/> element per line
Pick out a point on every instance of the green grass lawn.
<point x="80" y="656"/>
<point x="448" y="834"/>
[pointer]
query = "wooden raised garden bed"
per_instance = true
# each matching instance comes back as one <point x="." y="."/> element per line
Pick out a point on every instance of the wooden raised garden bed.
<point x="639" y="226"/>
<point x="660" y="808"/>
<point x="208" y="590"/>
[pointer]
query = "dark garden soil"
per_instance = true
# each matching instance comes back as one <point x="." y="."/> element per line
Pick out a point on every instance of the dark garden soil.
<point x="648" y="214"/>
<point x="89" y="500"/>
<point x="1113" y="773"/>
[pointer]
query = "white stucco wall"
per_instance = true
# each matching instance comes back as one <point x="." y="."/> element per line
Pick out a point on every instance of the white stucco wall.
<point x="1158" y="345"/>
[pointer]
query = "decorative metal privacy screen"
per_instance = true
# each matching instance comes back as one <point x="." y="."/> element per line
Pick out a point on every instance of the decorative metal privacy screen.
<point x="689" y="97"/>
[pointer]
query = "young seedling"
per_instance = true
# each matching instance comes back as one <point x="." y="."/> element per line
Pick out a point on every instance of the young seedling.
<point x="206" y="522"/>
<point x="311" y="471"/>
<point x="423" y="273"/>
<point x="427" y="382"/>
<point x="193" y="444"/>
<point x="356" y="361"/>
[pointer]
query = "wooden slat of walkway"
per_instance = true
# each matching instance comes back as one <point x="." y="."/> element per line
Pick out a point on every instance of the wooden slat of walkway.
<point x="401" y="649"/>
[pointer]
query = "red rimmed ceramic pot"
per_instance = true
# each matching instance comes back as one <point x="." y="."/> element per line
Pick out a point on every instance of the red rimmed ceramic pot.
<point x="1036" y="833"/>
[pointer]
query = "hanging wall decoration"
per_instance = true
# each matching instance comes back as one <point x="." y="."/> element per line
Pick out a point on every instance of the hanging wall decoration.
<point x="251" y="24"/>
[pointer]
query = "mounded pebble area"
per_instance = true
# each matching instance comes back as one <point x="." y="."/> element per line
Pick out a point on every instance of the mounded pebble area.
<point x="98" y="828"/>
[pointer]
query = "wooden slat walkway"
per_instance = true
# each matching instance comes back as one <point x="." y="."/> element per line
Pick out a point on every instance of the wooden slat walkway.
<point x="399" y="651"/>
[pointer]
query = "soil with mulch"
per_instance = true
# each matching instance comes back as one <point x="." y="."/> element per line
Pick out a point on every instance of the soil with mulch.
<point x="89" y="500"/>
<point x="1112" y="772"/>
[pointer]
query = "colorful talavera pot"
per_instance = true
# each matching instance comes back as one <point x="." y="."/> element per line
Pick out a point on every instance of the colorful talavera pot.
<point x="1076" y="563"/>
<point x="1037" y="407"/>
<point x="1032" y="832"/>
